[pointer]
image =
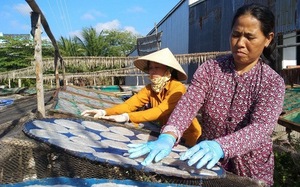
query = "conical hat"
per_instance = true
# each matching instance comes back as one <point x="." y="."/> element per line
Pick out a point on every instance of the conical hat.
<point x="163" y="56"/>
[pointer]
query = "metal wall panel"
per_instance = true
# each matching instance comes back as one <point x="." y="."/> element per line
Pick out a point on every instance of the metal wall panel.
<point x="298" y="15"/>
<point x="210" y="23"/>
<point x="175" y="30"/>
<point x="287" y="16"/>
<point x="204" y="23"/>
<point x="205" y="26"/>
<point x="174" y="27"/>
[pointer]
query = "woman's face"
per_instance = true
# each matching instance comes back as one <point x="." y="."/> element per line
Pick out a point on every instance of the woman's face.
<point x="247" y="41"/>
<point x="156" y="70"/>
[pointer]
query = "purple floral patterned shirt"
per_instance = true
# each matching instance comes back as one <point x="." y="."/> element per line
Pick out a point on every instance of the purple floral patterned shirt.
<point x="238" y="111"/>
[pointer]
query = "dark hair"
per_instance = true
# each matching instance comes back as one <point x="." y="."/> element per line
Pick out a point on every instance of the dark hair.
<point x="174" y="74"/>
<point x="267" y="22"/>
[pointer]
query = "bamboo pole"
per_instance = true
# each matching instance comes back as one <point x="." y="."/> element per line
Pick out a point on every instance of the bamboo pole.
<point x="44" y="22"/>
<point x="38" y="63"/>
<point x="19" y="83"/>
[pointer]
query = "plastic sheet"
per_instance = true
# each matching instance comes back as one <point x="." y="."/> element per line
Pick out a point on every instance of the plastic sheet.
<point x="6" y="102"/>
<point x="68" y="182"/>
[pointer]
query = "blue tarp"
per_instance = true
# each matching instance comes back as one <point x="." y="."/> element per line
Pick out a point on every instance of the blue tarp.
<point x="5" y="102"/>
<point x="89" y="182"/>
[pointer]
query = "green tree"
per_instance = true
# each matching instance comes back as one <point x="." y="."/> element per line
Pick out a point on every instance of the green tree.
<point x="70" y="47"/>
<point x="120" y="43"/>
<point x="17" y="52"/>
<point x="107" y="42"/>
<point x="92" y="42"/>
<point x="47" y="49"/>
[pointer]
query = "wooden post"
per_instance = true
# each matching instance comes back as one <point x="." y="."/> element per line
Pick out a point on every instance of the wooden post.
<point x="19" y="83"/>
<point x="63" y="72"/>
<point x="36" y="21"/>
<point x="143" y="80"/>
<point x="44" y="22"/>
<point x="56" y="74"/>
<point x="112" y="80"/>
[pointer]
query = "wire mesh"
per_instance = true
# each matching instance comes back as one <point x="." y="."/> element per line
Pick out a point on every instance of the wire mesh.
<point x="23" y="159"/>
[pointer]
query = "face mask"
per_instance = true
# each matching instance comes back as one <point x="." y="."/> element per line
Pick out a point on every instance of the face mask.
<point x="157" y="84"/>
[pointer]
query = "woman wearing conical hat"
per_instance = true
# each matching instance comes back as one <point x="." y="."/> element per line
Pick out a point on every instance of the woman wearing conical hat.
<point x="161" y="95"/>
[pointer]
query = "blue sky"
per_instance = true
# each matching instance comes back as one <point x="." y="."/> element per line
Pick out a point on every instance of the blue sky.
<point x="68" y="17"/>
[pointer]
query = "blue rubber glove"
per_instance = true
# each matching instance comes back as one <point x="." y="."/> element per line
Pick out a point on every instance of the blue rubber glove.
<point x="207" y="151"/>
<point x="158" y="149"/>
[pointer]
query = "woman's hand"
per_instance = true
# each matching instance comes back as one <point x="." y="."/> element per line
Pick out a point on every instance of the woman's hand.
<point x="96" y="113"/>
<point x="122" y="118"/>
<point x="158" y="149"/>
<point x="207" y="151"/>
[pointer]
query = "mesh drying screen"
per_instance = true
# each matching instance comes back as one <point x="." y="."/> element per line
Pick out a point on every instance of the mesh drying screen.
<point x="22" y="158"/>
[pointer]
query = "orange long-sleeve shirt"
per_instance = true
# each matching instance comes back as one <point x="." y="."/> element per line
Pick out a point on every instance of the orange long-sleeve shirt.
<point x="161" y="106"/>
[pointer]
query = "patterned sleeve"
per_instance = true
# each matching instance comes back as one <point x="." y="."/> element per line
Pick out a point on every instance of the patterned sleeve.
<point x="262" y="121"/>
<point x="189" y="104"/>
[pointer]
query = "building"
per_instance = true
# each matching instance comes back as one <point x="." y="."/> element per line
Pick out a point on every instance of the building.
<point x="197" y="26"/>
<point x="17" y="36"/>
<point x="14" y="36"/>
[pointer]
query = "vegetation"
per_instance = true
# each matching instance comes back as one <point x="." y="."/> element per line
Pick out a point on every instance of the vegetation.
<point x="69" y="47"/>
<point x="106" y="43"/>
<point x="287" y="163"/>
<point x="17" y="53"/>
